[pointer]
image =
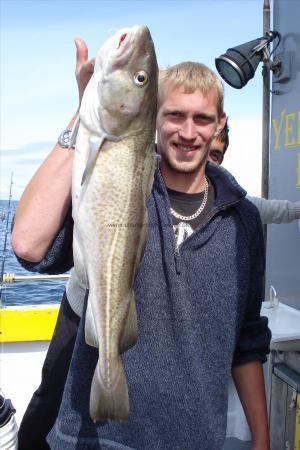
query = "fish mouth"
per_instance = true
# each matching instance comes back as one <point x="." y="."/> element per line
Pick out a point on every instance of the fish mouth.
<point x="124" y="43"/>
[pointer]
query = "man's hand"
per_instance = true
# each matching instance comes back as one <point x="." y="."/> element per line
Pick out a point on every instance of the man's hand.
<point x="84" y="66"/>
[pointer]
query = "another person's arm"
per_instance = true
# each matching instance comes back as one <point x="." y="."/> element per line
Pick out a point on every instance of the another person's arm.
<point x="47" y="198"/>
<point x="276" y="211"/>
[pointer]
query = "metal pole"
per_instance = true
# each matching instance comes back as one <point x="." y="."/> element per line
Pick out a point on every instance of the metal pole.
<point x="266" y="110"/>
<point x="265" y="122"/>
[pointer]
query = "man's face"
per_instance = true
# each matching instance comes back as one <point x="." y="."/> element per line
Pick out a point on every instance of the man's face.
<point x="216" y="152"/>
<point x="186" y="125"/>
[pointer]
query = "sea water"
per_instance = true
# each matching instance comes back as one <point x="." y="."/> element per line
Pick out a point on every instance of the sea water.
<point x="22" y="293"/>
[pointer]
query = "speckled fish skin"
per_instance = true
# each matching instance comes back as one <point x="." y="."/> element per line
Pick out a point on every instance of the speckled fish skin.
<point x="112" y="180"/>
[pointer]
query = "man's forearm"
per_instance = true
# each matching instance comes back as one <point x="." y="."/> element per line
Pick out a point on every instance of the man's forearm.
<point x="43" y="205"/>
<point x="249" y="382"/>
<point x="46" y="200"/>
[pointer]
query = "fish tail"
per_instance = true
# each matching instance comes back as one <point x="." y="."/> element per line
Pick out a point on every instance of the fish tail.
<point x="109" y="402"/>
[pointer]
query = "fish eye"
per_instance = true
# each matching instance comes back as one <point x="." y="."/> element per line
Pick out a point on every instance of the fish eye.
<point x="140" y="78"/>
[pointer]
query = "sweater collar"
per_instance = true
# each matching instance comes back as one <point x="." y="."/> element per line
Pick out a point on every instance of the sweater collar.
<point x="227" y="189"/>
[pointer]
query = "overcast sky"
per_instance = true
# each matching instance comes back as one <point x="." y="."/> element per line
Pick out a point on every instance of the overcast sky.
<point x="38" y="89"/>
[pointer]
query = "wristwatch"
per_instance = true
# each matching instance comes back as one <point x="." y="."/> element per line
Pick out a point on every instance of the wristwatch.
<point x="64" y="139"/>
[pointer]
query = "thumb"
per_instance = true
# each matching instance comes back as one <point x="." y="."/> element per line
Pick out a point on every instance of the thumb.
<point x="90" y="65"/>
<point x="82" y="52"/>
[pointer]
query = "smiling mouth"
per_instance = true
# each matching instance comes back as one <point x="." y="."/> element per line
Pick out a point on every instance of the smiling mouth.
<point x="186" y="148"/>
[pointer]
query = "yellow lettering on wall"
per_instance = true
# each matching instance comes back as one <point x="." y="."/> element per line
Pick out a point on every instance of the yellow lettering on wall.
<point x="277" y="129"/>
<point x="289" y="129"/>
<point x="298" y="170"/>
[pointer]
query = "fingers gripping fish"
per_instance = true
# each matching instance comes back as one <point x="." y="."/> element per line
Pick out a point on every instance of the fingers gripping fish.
<point x="112" y="180"/>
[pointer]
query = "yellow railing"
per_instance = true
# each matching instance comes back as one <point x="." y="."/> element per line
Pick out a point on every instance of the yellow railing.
<point x="30" y="322"/>
<point x="27" y="323"/>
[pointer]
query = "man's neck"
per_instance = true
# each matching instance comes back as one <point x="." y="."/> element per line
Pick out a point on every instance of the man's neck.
<point x="190" y="183"/>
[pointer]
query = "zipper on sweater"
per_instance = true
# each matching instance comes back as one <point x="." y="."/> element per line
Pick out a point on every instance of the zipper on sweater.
<point x="177" y="259"/>
<point x="210" y="215"/>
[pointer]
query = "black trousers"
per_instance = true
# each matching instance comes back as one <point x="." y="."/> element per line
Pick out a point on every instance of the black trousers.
<point x="44" y="405"/>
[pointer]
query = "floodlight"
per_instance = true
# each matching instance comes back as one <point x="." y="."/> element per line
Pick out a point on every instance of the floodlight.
<point x="238" y="65"/>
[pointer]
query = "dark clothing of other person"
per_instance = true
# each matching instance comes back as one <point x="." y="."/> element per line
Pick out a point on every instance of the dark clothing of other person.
<point x="42" y="410"/>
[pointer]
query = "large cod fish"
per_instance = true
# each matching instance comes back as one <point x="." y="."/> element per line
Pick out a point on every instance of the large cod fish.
<point x="112" y="180"/>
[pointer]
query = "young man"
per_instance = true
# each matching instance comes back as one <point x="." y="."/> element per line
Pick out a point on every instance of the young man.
<point x="198" y="296"/>
<point x="271" y="211"/>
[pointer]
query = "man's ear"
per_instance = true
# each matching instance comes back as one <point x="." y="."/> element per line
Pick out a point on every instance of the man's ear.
<point x="221" y="124"/>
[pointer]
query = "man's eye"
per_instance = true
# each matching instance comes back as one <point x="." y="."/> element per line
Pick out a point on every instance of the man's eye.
<point x="203" y="120"/>
<point x="216" y="156"/>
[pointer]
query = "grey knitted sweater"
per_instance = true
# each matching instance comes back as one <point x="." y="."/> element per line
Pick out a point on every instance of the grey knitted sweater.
<point x="198" y="314"/>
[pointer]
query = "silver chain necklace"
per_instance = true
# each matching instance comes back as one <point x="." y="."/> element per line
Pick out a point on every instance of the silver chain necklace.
<point x="199" y="210"/>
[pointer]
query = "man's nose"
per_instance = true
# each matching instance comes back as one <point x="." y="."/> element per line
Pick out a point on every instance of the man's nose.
<point x="188" y="130"/>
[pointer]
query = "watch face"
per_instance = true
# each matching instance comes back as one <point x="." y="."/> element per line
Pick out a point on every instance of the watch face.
<point x="64" y="138"/>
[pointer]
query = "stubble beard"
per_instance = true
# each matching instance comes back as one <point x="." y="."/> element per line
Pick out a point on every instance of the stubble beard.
<point x="182" y="168"/>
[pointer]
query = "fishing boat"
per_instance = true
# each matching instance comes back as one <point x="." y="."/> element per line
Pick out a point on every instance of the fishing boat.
<point x="25" y="334"/>
<point x="25" y="331"/>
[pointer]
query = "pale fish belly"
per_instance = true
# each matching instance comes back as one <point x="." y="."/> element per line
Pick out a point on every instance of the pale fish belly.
<point x="79" y="164"/>
<point x="112" y="229"/>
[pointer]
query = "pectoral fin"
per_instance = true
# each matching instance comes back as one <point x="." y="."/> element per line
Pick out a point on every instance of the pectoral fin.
<point x="74" y="132"/>
<point x="94" y="146"/>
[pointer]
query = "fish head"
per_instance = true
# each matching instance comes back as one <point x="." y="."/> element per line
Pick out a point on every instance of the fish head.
<point x="126" y="75"/>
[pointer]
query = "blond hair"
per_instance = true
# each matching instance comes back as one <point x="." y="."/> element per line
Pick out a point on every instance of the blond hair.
<point x="191" y="76"/>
